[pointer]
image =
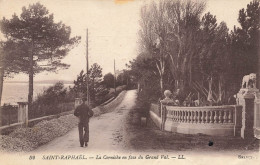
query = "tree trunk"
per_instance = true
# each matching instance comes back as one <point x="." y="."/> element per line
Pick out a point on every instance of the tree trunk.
<point x="161" y="85"/>
<point x="220" y="83"/>
<point x="1" y="83"/>
<point x="210" y="95"/>
<point x="30" y="94"/>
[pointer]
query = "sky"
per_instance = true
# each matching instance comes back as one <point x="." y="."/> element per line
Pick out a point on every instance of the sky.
<point x="113" y="27"/>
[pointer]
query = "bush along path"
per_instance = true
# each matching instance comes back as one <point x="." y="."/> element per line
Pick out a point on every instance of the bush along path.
<point x="28" y="139"/>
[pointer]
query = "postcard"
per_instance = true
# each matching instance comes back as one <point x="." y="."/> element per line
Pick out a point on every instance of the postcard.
<point x="129" y="82"/>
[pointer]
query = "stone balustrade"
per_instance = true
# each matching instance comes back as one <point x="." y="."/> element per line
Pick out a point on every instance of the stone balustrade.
<point x="222" y="115"/>
<point x="211" y="120"/>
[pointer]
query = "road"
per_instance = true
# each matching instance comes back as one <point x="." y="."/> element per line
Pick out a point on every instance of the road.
<point x="120" y="131"/>
<point x="107" y="132"/>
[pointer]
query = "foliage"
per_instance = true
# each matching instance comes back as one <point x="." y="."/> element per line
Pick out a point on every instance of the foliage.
<point x="121" y="79"/>
<point x="51" y="101"/>
<point x="153" y="37"/>
<point x="39" y="44"/>
<point x="214" y="56"/>
<point x="95" y="75"/>
<point x="35" y="33"/>
<point x="244" y="43"/>
<point x="144" y="73"/>
<point x="53" y="95"/>
<point x="8" y="114"/>
<point x="109" y="79"/>
<point x="96" y="89"/>
<point x="181" y="49"/>
<point x="80" y="85"/>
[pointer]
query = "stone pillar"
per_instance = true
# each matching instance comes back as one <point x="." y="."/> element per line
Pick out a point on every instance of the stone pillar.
<point x="238" y="120"/>
<point x="246" y="99"/>
<point x="257" y="116"/>
<point x="23" y="113"/>
<point x="78" y="101"/>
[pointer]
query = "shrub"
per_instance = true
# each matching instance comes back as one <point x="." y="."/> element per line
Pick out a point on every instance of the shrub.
<point x="8" y="114"/>
<point x="51" y="102"/>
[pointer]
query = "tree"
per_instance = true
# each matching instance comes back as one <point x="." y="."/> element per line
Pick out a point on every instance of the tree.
<point x="214" y="55"/>
<point x="183" y="36"/>
<point x="94" y="81"/>
<point x="95" y="75"/>
<point x="153" y="35"/>
<point x="80" y="85"/>
<point x="245" y="42"/>
<point x="39" y="39"/>
<point x="109" y="80"/>
<point x="144" y="73"/>
<point x="124" y="78"/>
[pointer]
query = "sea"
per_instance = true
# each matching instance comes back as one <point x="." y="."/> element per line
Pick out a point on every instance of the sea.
<point x="18" y="92"/>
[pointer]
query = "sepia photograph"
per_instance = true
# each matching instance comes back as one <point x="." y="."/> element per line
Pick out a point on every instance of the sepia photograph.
<point x="129" y="82"/>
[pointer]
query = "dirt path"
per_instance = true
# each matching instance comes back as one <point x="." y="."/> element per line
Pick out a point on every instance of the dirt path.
<point x="106" y="132"/>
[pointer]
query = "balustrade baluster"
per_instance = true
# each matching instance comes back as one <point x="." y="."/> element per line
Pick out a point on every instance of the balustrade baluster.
<point x="180" y="117"/>
<point x="203" y="117"/>
<point x="195" y="117"/>
<point x="199" y="117"/>
<point x="191" y="117"/>
<point x="215" y="116"/>
<point x="186" y="114"/>
<point x="188" y="117"/>
<point x="183" y="116"/>
<point x="225" y="116"/>
<point x="230" y="116"/>
<point x="220" y="117"/>
<point x="211" y="117"/>
<point x="207" y="117"/>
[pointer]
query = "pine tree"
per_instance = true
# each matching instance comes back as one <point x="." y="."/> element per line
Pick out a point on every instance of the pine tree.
<point x="38" y="40"/>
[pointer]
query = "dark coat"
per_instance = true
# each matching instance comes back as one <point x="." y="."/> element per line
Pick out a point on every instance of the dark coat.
<point x="83" y="112"/>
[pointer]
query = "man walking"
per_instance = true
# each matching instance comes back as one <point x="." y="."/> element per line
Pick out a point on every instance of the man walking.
<point x="83" y="112"/>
